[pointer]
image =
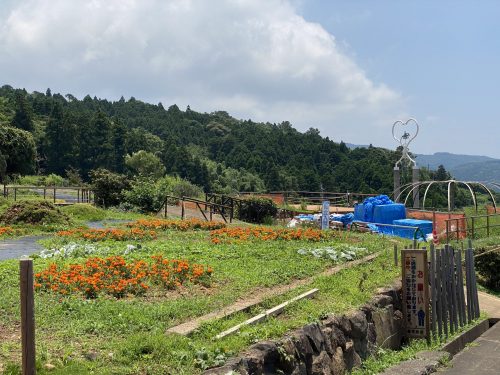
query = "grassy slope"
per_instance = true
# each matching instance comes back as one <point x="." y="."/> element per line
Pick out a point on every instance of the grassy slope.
<point x="129" y="334"/>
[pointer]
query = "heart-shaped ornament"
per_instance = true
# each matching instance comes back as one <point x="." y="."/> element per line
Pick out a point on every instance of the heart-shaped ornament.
<point x="405" y="138"/>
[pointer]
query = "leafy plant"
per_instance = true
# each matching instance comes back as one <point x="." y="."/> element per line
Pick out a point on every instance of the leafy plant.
<point x="256" y="209"/>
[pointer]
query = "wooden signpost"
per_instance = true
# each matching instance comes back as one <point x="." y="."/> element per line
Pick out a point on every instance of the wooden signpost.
<point x="415" y="293"/>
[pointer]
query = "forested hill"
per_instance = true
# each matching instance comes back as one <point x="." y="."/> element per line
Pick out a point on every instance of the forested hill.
<point x="213" y="150"/>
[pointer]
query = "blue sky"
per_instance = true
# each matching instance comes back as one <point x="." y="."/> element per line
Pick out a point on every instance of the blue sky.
<point x="442" y="56"/>
<point x="348" y="68"/>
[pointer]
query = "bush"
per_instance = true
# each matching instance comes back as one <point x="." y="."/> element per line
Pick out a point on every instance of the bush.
<point x="108" y="187"/>
<point x="488" y="265"/>
<point x="149" y="196"/>
<point x="257" y="209"/>
<point x="42" y="212"/>
<point x="53" y="180"/>
<point x="84" y="211"/>
<point x="145" y="196"/>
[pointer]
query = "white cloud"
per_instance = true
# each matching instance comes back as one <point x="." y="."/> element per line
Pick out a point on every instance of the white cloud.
<point x="255" y="59"/>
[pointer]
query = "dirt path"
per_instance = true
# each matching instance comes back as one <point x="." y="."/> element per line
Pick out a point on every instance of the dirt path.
<point x="257" y="296"/>
<point x="489" y="304"/>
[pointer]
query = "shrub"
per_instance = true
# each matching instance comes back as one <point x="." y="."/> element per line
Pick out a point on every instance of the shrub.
<point x="145" y="196"/>
<point x="257" y="209"/>
<point x="149" y="196"/>
<point x="85" y="211"/>
<point x="488" y="265"/>
<point x="108" y="187"/>
<point x="41" y="212"/>
<point x="53" y="180"/>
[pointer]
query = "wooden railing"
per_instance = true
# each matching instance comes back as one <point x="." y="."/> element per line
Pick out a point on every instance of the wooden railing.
<point x="226" y="212"/>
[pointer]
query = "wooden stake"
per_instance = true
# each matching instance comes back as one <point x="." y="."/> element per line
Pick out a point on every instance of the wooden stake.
<point x="27" y="316"/>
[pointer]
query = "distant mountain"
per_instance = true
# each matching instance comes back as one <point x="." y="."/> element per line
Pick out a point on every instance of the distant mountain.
<point x="352" y="146"/>
<point x="449" y="161"/>
<point x="479" y="171"/>
<point x="461" y="167"/>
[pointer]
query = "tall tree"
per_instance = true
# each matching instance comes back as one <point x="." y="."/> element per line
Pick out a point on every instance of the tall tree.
<point x="61" y="139"/>
<point x="23" y="117"/>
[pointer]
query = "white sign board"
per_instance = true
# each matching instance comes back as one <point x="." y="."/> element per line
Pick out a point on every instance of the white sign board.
<point x="325" y="215"/>
<point x="415" y="293"/>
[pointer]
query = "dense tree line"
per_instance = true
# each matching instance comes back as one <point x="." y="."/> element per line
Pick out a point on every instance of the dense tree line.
<point x="212" y="150"/>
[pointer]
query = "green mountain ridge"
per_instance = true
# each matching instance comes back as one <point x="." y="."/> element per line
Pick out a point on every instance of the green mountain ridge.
<point x="213" y="150"/>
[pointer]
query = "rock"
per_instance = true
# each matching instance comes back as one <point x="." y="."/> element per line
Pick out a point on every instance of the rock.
<point x="252" y="363"/>
<point x="351" y="358"/>
<point x="338" y="364"/>
<point x="344" y="325"/>
<point x="304" y="349"/>
<point x="49" y="366"/>
<point x="359" y="325"/>
<point x="338" y="338"/>
<point x="92" y="355"/>
<point x="287" y="355"/>
<point x="381" y="301"/>
<point x="301" y="369"/>
<point x="315" y="336"/>
<point x="327" y="335"/>
<point x="361" y="347"/>
<point x="322" y="364"/>
<point x="269" y="354"/>
<point x="388" y="331"/>
<point x="371" y="336"/>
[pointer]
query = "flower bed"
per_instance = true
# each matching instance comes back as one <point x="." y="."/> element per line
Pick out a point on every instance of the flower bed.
<point x="114" y="276"/>
<point x="176" y="224"/>
<point x="5" y="231"/>
<point x="109" y="234"/>
<point x="267" y="234"/>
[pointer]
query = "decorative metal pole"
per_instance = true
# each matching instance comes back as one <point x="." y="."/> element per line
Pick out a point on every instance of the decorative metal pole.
<point x="404" y="141"/>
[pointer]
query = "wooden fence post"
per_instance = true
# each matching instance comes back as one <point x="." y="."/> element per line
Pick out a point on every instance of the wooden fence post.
<point x="395" y="254"/>
<point x="27" y="316"/>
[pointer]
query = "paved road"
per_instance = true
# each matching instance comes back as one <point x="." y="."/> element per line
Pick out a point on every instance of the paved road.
<point x="16" y="248"/>
<point x="480" y="358"/>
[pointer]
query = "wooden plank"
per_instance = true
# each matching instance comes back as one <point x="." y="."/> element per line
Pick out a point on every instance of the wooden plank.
<point x="271" y="312"/>
<point x="445" y="292"/>
<point x="27" y="316"/>
<point x="468" y="285"/>
<point x="460" y="287"/>
<point x="474" y="282"/>
<point x="432" y="278"/>
<point x="439" y="293"/>
<point x="454" y="304"/>
<point x="250" y="300"/>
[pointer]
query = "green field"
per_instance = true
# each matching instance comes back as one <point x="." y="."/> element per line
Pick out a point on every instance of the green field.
<point x="107" y="335"/>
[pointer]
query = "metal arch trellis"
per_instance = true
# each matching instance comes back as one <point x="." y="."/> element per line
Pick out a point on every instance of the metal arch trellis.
<point x="409" y="188"/>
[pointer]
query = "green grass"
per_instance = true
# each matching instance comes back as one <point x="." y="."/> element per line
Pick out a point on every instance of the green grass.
<point x="84" y="212"/>
<point x="128" y="335"/>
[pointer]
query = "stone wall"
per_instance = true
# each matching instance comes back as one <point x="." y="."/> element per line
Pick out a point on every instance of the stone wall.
<point x="333" y="346"/>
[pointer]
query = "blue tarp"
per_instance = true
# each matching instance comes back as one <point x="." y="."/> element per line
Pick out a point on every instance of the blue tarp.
<point x="386" y="214"/>
<point x="379" y="209"/>
<point x="424" y="225"/>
